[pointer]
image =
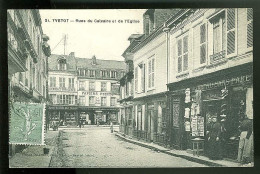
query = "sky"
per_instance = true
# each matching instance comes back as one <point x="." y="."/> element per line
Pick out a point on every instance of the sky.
<point x="104" y="40"/>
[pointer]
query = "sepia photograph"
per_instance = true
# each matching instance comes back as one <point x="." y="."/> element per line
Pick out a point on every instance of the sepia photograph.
<point x="130" y="88"/>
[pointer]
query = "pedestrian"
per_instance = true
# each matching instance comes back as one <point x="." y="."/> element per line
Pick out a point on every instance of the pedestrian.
<point x="245" y="148"/>
<point x="214" y="143"/>
<point x="111" y="127"/>
<point x="80" y="122"/>
<point x="209" y="127"/>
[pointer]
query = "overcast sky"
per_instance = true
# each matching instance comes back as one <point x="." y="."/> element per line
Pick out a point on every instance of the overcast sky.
<point x="105" y="40"/>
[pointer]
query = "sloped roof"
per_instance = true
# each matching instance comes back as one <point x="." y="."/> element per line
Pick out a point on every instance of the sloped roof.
<point x="75" y="62"/>
<point x="53" y="62"/>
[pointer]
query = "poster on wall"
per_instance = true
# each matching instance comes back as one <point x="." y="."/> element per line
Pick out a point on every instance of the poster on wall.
<point x="200" y="126"/>
<point x="194" y="126"/>
<point x="187" y="126"/>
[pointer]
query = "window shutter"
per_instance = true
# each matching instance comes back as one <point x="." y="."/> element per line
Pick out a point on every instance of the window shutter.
<point x="196" y="46"/>
<point x="179" y="55"/>
<point x="152" y="83"/>
<point x="249" y="27"/>
<point x="143" y="80"/>
<point x="149" y="73"/>
<point x="202" y="43"/>
<point x="185" y="53"/>
<point x="231" y="31"/>
<point x="136" y="77"/>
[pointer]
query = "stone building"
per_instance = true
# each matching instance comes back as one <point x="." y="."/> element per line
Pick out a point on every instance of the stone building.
<point x="28" y="51"/>
<point x="84" y="88"/>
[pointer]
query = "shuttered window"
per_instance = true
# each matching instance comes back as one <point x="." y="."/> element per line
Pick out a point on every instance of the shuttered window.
<point x="151" y="73"/>
<point x="182" y="45"/>
<point x="143" y="78"/>
<point x="231" y="31"/>
<point x="136" y="79"/>
<point x="249" y="27"/>
<point x="202" y="43"/>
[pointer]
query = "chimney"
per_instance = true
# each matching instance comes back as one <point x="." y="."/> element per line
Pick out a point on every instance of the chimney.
<point x="72" y="54"/>
<point x="94" y="60"/>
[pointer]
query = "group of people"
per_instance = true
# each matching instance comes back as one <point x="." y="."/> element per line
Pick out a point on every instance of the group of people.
<point x="215" y="139"/>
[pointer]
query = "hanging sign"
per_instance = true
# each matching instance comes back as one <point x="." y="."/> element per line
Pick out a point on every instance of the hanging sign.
<point x="187" y="95"/>
<point x="194" y="126"/>
<point x="187" y="113"/>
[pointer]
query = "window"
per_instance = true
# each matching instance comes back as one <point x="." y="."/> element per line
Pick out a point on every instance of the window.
<point x="113" y="101"/>
<point x="151" y="73"/>
<point x="219" y="32"/>
<point x="81" y="72"/>
<point x="142" y="78"/>
<point x="113" y="74"/>
<point x="92" y="86"/>
<point x="136" y="79"/>
<point x="20" y="77"/>
<point x="71" y="99"/>
<point x="62" y="82"/>
<point x="108" y="74"/>
<point x="103" y="101"/>
<point x="91" y="100"/>
<point x="182" y="47"/>
<point x="67" y="99"/>
<point x="103" y="86"/>
<point x="53" y="98"/>
<point x="71" y="83"/>
<point x="82" y="100"/>
<point x="92" y="73"/>
<point x="249" y="27"/>
<point x="62" y="64"/>
<point x="81" y="85"/>
<point x="103" y="73"/>
<point x="52" y="81"/>
<point x="61" y="99"/>
<point x="231" y="31"/>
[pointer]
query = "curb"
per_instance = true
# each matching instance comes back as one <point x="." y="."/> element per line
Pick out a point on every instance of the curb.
<point x="193" y="159"/>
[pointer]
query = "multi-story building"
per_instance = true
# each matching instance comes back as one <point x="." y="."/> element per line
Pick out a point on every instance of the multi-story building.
<point x="150" y="76"/>
<point x="196" y="64"/>
<point x="127" y="121"/>
<point x="27" y="57"/>
<point x="84" y="88"/>
<point x="210" y="73"/>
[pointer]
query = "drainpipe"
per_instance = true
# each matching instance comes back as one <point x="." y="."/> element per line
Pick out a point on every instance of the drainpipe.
<point x="166" y="31"/>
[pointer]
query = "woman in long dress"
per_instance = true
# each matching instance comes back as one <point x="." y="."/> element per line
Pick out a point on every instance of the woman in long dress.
<point x="214" y="142"/>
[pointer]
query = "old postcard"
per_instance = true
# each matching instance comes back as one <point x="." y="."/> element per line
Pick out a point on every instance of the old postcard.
<point x="130" y="88"/>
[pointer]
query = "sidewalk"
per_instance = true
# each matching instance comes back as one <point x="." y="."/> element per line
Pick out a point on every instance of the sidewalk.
<point x="181" y="153"/>
<point x="33" y="156"/>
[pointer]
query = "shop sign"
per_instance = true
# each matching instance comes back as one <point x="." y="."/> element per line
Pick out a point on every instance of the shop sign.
<point x="96" y="93"/>
<point x="197" y="126"/>
<point x="244" y="79"/>
<point x="62" y="107"/>
<point x="212" y="95"/>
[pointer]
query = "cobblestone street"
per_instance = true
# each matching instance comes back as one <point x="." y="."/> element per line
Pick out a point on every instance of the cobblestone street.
<point x="97" y="147"/>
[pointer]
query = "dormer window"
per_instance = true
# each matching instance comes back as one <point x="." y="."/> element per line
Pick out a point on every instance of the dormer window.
<point x="62" y="65"/>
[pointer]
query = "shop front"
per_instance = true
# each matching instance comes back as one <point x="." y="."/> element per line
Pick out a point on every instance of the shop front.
<point x="95" y="115"/>
<point x="224" y="96"/>
<point x="150" y="118"/>
<point x="65" y="115"/>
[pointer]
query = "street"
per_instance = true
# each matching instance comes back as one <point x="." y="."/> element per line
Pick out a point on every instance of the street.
<point x="97" y="147"/>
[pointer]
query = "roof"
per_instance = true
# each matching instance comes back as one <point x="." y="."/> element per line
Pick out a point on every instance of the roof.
<point x="75" y="62"/>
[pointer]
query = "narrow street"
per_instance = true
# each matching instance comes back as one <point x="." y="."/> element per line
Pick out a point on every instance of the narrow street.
<point x="97" y="147"/>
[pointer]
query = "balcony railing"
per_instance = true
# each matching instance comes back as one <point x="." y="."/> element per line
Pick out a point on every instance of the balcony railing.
<point x="217" y="56"/>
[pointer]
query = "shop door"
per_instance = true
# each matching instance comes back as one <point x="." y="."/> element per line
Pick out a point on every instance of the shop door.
<point x="151" y="124"/>
<point x="177" y="120"/>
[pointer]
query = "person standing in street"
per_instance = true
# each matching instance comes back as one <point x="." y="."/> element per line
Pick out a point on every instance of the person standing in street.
<point x="214" y="140"/>
<point x="80" y="122"/>
<point x="245" y="148"/>
<point x="111" y="127"/>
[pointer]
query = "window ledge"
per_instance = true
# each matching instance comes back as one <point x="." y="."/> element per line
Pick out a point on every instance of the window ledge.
<point x="199" y="68"/>
<point x="150" y="89"/>
<point x="182" y="74"/>
<point x="217" y="63"/>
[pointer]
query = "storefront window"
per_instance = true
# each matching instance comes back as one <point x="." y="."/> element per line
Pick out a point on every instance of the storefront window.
<point x="103" y="86"/>
<point x="103" y="101"/>
<point x="91" y="100"/>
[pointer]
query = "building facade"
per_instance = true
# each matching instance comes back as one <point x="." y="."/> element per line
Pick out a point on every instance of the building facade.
<point x="211" y="61"/>
<point x="86" y="89"/>
<point x="28" y="51"/>
<point x="195" y="65"/>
